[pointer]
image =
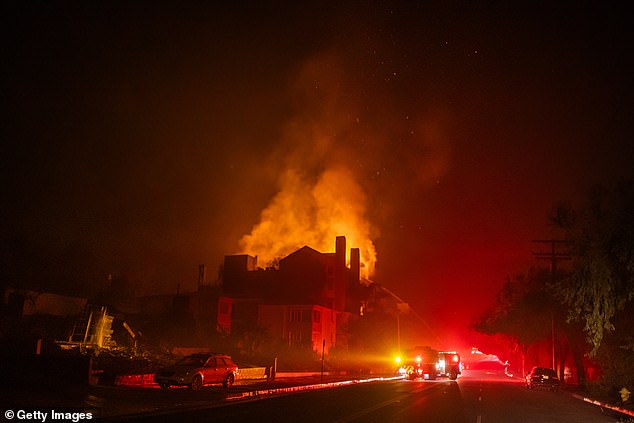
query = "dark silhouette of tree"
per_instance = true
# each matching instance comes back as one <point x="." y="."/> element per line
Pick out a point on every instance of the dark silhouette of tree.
<point x="523" y="310"/>
<point x="527" y="310"/>
<point x="616" y="354"/>
<point x="601" y="236"/>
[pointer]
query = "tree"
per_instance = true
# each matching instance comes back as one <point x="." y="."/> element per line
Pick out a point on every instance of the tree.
<point x="601" y="236"/>
<point x="524" y="310"/>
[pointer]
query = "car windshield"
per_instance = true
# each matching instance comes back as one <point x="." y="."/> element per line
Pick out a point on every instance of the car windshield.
<point x="541" y="371"/>
<point x="197" y="361"/>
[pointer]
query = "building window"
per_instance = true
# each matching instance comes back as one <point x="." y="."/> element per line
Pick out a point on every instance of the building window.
<point x="316" y="316"/>
<point x="296" y="315"/>
<point x="294" y="338"/>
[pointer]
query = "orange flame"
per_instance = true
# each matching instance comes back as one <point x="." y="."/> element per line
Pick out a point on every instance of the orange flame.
<point x="313" y="213"/>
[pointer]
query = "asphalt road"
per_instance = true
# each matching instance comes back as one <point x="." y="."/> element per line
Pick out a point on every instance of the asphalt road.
<point x="474" y="398"/>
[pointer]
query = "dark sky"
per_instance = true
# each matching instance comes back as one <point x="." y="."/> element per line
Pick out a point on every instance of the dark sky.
<point x="155" y="138"/>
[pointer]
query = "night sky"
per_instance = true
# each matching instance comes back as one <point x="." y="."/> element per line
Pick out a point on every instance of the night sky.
<point x="152" y="138"/>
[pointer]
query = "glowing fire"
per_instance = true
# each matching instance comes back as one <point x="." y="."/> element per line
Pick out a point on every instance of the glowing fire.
<point x="319" y="197"/>
<point x="313" y="212"/>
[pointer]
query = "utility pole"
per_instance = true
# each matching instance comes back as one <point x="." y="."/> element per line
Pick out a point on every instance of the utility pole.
<point x="398" y="331"/>
<point x="553" y="255"/>
<point x="323" y="350"/>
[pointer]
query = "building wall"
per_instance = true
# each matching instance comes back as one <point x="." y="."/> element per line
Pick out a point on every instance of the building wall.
<point x="324" y="322"/>
<point x="302" y="302"/>
<point x="300" y="325"/>
<point x="237" y="315"/>
<point x="225" y="304"/>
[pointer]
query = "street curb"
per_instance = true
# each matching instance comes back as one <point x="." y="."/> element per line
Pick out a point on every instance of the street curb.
<point x="293" y="389"/>
<point x="246" y="396"/>
<point x="604" y="405"/>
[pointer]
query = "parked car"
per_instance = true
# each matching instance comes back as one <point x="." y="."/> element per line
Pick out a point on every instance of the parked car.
<point x="542" y="377"/>
<point x="198" y="370"/>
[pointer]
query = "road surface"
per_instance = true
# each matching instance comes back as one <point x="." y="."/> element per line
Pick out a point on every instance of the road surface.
<point x="474" y="398"/>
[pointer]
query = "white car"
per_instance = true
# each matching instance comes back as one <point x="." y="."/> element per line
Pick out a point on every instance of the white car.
<point x="198" y="370"/>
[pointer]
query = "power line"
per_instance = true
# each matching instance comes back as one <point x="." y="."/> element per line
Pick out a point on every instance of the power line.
<point x="554" y="255"/>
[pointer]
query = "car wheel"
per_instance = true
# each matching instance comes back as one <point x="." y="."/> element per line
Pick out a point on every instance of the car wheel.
<point x="453" y="375"/>
<point x="228" y="382"/>
<point x="197" y="383"/>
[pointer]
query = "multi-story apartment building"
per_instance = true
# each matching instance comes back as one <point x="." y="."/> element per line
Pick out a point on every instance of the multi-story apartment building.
<point x="307" y="301"/>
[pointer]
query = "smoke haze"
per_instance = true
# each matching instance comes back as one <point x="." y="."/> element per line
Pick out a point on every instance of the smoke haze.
<point x="143" y="140"/>
<point x="341" y="143"/>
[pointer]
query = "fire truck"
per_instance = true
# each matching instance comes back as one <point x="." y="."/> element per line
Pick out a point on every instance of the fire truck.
<point x="449" y="364"/>
<point x="427" y="363"/>
<point x="420" y="362"/>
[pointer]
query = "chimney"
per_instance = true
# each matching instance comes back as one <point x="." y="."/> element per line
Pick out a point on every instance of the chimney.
<point x="355" y="265"/>
<point x="202" y="275"/>
<point x="340" y="251"/>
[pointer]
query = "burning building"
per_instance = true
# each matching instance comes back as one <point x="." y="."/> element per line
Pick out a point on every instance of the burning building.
<point x="306" y="301"/>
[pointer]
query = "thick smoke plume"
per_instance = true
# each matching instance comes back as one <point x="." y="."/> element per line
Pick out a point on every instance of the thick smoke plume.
<point x="342" y="142"/>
